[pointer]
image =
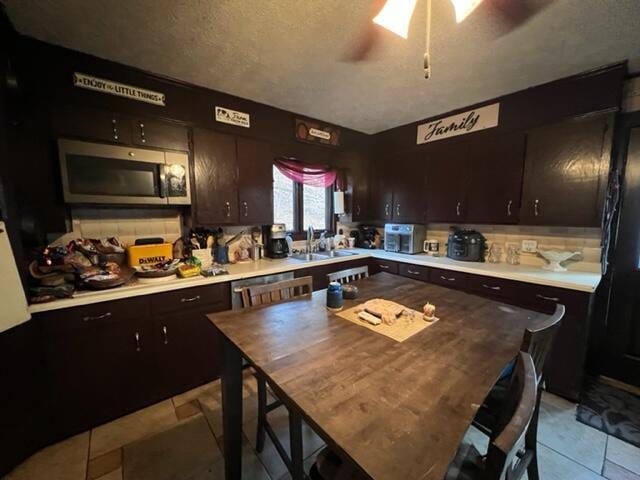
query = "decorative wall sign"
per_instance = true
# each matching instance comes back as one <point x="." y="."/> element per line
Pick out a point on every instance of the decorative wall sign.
<point x="233" y="117"/>
<point x="314" y="132"/>
<point x="459" y="124"/>
<point x="119" y="89"/>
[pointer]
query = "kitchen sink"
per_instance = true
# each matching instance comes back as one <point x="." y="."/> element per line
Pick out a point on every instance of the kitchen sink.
<point x="310" y="257"/>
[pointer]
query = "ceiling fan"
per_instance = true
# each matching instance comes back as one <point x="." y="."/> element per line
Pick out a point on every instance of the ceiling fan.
<point x="395" y="16"/>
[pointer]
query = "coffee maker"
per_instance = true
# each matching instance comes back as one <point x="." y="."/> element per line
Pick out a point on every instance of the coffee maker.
<point x="275" y="240"/>
<point x="365" y="236"/>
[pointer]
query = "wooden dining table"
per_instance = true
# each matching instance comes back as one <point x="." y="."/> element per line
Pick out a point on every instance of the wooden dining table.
<point x="392" y="409"/>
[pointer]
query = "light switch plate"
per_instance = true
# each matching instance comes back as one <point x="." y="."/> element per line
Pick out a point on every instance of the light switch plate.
<point x="529" y="246"/>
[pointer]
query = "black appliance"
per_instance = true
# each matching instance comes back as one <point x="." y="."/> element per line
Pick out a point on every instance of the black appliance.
<point x="365" y="236"/>
<point x="274" y="238"/>
<point x="466" y="245"/>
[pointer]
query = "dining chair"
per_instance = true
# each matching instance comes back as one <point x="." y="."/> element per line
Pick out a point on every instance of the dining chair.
<point x="253" y="296"/>
<point x="507" y="457"/>
<point x="349" y="275"/>
<point x="537" y="342"/>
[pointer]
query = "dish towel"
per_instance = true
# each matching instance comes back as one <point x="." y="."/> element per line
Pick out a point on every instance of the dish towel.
<point x="14" y="303"/>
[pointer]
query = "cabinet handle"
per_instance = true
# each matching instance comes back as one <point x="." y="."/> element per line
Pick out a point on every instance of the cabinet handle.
<point x="536" y="210"/>
<point x="484" y="285"/>
<point x="228" y="207"/>
<point x="458" y="209"/>
<point x="386" y="267"/>
<point x="137" y="337"/>
<point x="142" y="139"/>
<point x="448" y="279"/>
<point x="165" y="337"/>
<point x="509" y="203"/>
<point x="413" y="272"/>
<point x="114" y="126"/>
<point x="246" y="208"/>
<point x="398" y="210"/>
<point x="551" y="299"/>
<point x="386" y="209"/>
<point x="97" y="317"/>
<point x="192" y="299"/>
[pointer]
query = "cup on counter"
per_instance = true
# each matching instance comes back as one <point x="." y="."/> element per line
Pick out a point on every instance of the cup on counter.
<point x="352" y="242"/>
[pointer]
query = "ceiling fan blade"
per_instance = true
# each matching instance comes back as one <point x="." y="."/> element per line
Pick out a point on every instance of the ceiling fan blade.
<point x="368" y="38"/>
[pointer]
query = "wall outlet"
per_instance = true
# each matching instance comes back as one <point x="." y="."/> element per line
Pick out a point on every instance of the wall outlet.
<point x="529" y="246"/>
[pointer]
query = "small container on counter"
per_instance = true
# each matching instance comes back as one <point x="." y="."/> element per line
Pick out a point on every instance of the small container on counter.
<point x="349" y="292"/>
<point x="334" y="296"/>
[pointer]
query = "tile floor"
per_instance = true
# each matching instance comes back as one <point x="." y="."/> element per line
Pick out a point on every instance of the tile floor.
<point x="180" y="438"/>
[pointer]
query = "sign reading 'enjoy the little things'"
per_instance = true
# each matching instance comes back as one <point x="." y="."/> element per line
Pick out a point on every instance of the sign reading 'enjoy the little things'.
<point x="119" y="89"/>
<point x="460" y="124"/>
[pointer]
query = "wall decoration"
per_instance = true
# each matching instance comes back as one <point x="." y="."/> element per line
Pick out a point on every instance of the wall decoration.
<point x="314" y="132"/>
<point x="82" y="80"/>
<point x="233" y="117"/>
<point x="459" y="124"/>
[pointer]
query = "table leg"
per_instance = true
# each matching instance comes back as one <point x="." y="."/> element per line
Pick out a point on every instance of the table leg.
<point x="232" y="411"/>
<point x="295" y="439"/>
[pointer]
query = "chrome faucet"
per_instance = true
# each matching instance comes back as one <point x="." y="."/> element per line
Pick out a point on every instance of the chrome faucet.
<point x="310" y="239"/>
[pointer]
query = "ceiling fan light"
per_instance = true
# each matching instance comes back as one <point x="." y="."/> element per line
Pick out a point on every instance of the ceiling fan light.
<point x="395" y="16"/>
<point x="463" y="8"/>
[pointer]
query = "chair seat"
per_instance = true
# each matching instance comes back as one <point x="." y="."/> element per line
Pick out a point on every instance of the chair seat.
<point x="467" y="464"/>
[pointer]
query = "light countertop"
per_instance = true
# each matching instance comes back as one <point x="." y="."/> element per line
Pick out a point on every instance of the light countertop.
<point x="580" y="281"/>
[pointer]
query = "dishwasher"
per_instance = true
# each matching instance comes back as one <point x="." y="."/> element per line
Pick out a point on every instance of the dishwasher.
<point x="236" y="286"/>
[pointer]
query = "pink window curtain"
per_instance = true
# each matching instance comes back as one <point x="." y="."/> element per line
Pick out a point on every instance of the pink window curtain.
<point x="311" y="174"/>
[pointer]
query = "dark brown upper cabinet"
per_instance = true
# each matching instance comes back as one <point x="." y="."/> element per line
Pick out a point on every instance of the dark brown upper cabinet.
<point x="496" y="164"/>
<point x="382" y="192"/>
<point x="566" y="168"/>
<point x="216" y="178"/>
<point x="447" y="182"/>
<point x="92" y="124"/>
<point x="154" y="133"/>
<point x="255" y="181"/>
<point x="409" y="188"/>
<point x="357" y="172"/>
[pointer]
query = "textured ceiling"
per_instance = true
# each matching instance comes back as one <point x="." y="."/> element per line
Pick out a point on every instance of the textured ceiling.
<point x="287" y="53"/>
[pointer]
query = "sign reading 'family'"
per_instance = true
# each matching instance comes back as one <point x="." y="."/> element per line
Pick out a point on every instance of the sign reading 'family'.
<point x="233" y="117"/>
<point x="467" y="122"/>
<point x="120" y="89"/>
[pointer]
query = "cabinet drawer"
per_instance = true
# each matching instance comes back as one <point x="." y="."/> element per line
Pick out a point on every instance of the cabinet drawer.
<point x="544" y="299"/>
<point x="448" y="278"/>
<point x="493" y="287"/>
<point x="414" y="271"/>
<point x="385" y="266"/>
<point x="101" y="314"/>
<point x="217" y="296"/>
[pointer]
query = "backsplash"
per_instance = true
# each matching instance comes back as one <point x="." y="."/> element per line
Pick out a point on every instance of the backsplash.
<point x="585" y="240"/>
<point x="125" y="223"/>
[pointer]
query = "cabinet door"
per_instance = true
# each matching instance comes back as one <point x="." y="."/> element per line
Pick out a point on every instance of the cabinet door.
<point x="90" y="124"/>
<point x="357" y="168"/>
<point x="215" y="172"/>
<point x="565" y="173"/>
<point x="409" y="182"/>
<point x="382" y="195"/>
<point x="255" y="181"/>
<point x="188" y="350"/>
<point x="448" y="171"/>
<point x="98" y="361"/>
<point x="496" y="179"/>
<point x="154" y="133"/>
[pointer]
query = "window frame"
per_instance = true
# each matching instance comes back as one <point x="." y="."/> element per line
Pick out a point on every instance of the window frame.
<point x="298" y="233"/>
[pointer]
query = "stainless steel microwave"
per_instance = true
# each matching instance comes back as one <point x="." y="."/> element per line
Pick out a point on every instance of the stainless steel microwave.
<point x="97" y="173"/>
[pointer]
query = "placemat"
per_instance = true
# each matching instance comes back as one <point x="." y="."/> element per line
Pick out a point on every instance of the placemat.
<point x="405" y="326"/>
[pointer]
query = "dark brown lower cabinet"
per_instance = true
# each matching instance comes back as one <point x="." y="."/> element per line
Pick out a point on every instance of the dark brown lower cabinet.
<point x="111" y="358"/>
<point x="564" y="369"/>
<point x="320" y="272"/>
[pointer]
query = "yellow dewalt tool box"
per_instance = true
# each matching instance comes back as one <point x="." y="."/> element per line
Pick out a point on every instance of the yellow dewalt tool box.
<point x="149" y="254"/>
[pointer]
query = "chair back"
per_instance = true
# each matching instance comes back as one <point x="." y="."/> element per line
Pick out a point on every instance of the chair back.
<point x="349" y="275"/>
<point x="538" y="341"/>
<point x="508" y="456"/>
<point x="277" y="291"/>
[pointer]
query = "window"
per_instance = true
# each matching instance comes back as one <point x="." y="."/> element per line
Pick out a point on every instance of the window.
<point x="298" y="206"/>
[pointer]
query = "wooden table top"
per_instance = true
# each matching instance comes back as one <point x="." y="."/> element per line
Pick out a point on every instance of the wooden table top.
<point x="398" y="410"/>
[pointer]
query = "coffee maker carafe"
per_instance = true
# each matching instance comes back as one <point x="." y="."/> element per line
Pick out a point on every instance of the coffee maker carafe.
<point x="275" y="240"/>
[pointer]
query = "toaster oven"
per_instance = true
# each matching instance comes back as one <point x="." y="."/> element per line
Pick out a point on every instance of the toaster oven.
<point x="404" y="238"/>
